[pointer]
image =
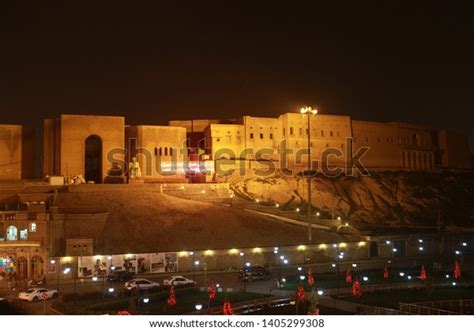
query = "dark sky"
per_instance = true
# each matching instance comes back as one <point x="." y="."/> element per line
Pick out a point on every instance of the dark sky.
<point x="373" y="61"/>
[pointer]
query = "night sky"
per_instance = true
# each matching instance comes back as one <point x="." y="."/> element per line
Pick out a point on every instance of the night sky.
<point x="371" y="61"/>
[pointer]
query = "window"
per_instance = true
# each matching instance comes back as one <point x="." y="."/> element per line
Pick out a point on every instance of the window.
<point x="337" y="133"/>
<point x="24" y="234"/>
<point x="166" y="151"/>
<point x="171" y="151"/>
<point x="261" y="135"/>
<point x="366" y="139"/>
<point x="161" y="151"/>
<point x="251" y="136"/>
<point x="12" y="233"/>
<point x="330" y="133"/>
<point x="322" y="133"/>
<point x="284" y="132"/>
<point x="271" y="135"/>
<point x="218" y="140"/>
<point x="291" y="130"/>
<point x="32" y="227"/>
<point x="301" y="131"/>
<point x="156" y="151"/>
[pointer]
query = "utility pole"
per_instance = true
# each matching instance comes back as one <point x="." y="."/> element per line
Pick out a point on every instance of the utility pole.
<point x="309" y="111"/>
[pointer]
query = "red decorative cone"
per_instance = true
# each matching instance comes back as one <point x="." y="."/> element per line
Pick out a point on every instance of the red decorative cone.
<point x="356" y="289"/>
<point x="301" y="294"/>
<point x="212" y="291"/>
<point x="172" y="298"/>
<point x="457" y="270"/>
<point x="310" y="278"/>
<point x="423" y="273"/>
<point x="348" y="276"/>
<point x="386" y="273"/>
<point x="227" y="308"/>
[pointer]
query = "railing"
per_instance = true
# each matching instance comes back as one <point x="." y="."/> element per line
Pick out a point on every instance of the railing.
<point x="248" y="307"/>
<point x="385" y="311"/>
<point x="461" y="306"/>
<point x="423" y="310"/>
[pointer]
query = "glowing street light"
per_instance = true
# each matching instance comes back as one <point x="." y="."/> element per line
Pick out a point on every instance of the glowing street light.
<point x="420" y="241"/>
<point x="297" y="210"/>
<point x="302" y="277"/>
<point x="283" y="280"/>
<point x="111" y="290"/>
<point x="402" y="274"/>
<point x="333" y="265"/>
<point x="320" y="292"/>
<point x="146" y="300"/>
<point x="94" y="279"/>
<point x="447" y="276"/>
<point x="277" y="205"/>
<point x="457" y="252"/>
<point x="247" y="264"/>
<point x="285" y="261"/>
<point x="299" y="268"/>
<point x="365" y="279"/>
<point x="454" y="283"/>
<point x="409" y="277"/>
<point x="464" y="244"/>
<point x="196" y="263"/>
<point x="394" y="250"/>
<point x="421" y="248"/>
<point x="387" y="242"/>
<point x="241" y="253"/>
<point x="52" y="261"/>
<point x="282" y="257"/>
<point x="198" y="307"/>
<point x="354" y="265"/>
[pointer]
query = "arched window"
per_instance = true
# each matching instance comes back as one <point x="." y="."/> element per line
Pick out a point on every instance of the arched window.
<point x="171" y="151"/>
<point x="156" y="151"/>
<point x="291" y="130"/>
<point x="166" y="151"/>
<point x="330" y="133"/>
<point x="12" y="233"/>
<point x="32" y="227"/>
<point x="161" y="151"/>
<point x="322" y="133"/>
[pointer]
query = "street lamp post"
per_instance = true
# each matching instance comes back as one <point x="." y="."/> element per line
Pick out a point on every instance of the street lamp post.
<point x="309" y="111"/>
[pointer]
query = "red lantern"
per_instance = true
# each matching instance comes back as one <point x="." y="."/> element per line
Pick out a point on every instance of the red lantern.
<point x="348" y="276"/>
<point x="310" y="278"/>
<point x="457" y="270"/>
<point x="301" y="294"/>
<point x="386" y="273"/>
<point x="212" y="291"/>
<point x="356" y="289"/>
<point x="172" y="298"/>
<point x="423" y="273"/>
<point x="227" y="309"/>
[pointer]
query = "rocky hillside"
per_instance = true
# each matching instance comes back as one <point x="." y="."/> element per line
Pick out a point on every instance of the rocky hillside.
<point x="397" y="198"/>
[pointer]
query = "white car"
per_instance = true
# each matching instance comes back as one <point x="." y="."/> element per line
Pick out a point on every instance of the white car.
<point x="37" y="294"/>
<point x="141" y="284"/>
<point x="178" y="281"/>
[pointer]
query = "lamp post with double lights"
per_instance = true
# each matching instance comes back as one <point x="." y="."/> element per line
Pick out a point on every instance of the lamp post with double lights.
<point x="308" y="111"/>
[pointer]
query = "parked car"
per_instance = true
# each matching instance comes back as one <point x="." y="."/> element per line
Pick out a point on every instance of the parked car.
<point x="249" y="274"/>
<point x="141" y="284"/>
<point x="179" y="281"/>
<point x="119" y="276"/>
<point x="36" y="294"/>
